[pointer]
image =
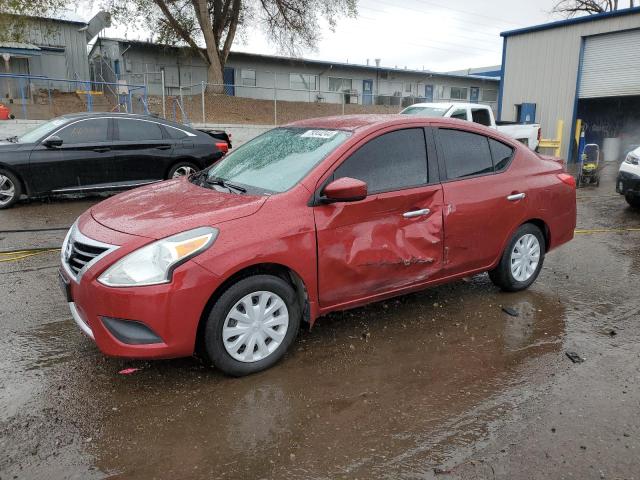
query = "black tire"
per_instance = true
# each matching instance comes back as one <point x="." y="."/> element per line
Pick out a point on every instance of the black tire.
<point x="179" y="166"/>
<point x="7" y="178"/>
<point x="214" y="348"/>
<point x="502" y="277"/>
<point x="632" y="200"/>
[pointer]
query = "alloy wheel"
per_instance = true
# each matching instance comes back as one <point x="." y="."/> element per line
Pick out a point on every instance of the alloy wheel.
<point x="525" y="257"/>
<point x="255" y="326"/>
<point x="7" y="190"/>
<point x="183" y="171"/>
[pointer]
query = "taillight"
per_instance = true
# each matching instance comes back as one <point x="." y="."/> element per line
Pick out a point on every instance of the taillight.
<point x="222" y="146"/>
<point x="539" y="133"/>
<point x="568" y="179"/>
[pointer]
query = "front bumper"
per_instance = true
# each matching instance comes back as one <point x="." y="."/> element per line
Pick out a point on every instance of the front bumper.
<point x="157" y="321"/>
<point x="628" y="183"/>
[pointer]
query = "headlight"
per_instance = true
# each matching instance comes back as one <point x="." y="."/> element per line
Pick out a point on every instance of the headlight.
<point x="632" y="158"/>
<point x="154" y="263"/>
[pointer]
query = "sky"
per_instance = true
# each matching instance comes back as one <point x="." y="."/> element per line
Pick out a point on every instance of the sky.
<point x="437" y="35"/>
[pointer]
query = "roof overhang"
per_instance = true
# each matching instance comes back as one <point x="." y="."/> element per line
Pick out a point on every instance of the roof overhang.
<point x="19" y="49"/>
<point x="572" y="21"/>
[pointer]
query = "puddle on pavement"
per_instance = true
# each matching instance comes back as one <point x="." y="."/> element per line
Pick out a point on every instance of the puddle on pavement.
<point x="371" y="392"/>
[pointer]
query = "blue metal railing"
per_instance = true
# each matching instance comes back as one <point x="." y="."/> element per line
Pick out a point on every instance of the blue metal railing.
<point x="125" y="92"/>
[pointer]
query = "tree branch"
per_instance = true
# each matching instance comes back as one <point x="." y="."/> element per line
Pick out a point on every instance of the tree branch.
<point x="179" y="28"/>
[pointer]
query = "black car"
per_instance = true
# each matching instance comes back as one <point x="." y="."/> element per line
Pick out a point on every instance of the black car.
<point x="88" y="152"/>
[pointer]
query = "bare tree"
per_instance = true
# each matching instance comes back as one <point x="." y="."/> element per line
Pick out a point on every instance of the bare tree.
<point x="571" y="8"/>
<point x="293" y="25"/>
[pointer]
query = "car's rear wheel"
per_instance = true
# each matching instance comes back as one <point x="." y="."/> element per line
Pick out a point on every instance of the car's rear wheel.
<point x="252" y="324"/>
<point x="10" y="189"/>
<point x="632" y="200"/>
<point x="521" y="261"/>
<point x="182" y="169"/>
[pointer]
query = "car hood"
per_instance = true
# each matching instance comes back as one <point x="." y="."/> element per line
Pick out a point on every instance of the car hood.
<point x="166" y="208"/>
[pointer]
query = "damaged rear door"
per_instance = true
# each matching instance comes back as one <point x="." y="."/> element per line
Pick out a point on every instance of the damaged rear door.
<point x="393" y="238"/>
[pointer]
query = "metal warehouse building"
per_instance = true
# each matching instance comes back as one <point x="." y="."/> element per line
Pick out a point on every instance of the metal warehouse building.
<point x="296" y="79"/>
<point x="585" y="68"/>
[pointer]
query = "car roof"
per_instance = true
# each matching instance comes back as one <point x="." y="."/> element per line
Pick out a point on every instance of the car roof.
<point x="366" y="121"/>
<point x="110" y="114"/>
<point x="448" y="105"/>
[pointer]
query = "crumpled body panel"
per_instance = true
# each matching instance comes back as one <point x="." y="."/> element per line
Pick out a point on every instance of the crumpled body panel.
<point x="369" y="247"/>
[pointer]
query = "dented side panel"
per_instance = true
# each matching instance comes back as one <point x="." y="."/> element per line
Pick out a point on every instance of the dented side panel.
<point x="369" y="247"/>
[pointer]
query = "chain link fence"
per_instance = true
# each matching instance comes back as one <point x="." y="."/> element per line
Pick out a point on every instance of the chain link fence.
<point x="243" y="104"/>
<point x="32" y="97"/>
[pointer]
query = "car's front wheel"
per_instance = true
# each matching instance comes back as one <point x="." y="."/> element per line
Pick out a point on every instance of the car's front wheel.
<point x="252" y="324"/>
<point x="182" y="169"/>
<point x="632" y="200"/>
<point x="10" y="189"/>
<point x="521" y="261"/>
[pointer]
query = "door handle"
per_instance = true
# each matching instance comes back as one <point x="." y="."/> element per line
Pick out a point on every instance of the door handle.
<point x="516" y="196"/>
<point x="101" y="149"/>
<point x="416" y="213"/>
<point x="163" y="147"/>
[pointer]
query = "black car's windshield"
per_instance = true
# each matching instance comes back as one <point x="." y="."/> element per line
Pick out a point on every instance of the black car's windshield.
<point x="425" y="111"/>
<point x="43" y="130"/>
<point x="278" y="159"/>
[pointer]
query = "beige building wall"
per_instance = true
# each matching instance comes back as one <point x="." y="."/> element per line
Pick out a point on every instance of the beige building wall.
<point x="541" y="67"/>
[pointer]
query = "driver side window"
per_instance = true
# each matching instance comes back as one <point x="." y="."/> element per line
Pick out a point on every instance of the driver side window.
<point x="392" y="161"/>
<point x="85" y="131"/>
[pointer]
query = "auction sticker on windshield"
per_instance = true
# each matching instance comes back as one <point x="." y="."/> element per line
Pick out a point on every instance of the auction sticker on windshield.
<point x="319" y="134"/>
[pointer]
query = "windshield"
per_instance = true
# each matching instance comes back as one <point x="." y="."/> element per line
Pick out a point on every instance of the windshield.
<point x="425" y="111"/>
<point x="278" y="159"/>
<point x="40" y="131"/>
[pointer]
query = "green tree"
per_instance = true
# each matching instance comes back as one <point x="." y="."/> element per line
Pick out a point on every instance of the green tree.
<point x="571" y="8"/>
<point x="14" y="14"/>
<point x="293" y="25"/>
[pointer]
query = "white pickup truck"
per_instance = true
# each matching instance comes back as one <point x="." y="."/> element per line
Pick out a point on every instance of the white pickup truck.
<point x="529" y="134"/>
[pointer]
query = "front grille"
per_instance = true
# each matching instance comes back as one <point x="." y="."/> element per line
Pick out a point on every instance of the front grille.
<point x="81" y="254"/>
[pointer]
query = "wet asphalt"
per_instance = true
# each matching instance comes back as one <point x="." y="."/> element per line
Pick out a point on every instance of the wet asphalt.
<point x="438" y="384"/>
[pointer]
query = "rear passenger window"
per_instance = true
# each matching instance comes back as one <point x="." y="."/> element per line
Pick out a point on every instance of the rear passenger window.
<point x="175" y="133"/>
<point x="465" y="153"/>
<point x="481" y="116"/>
<point x="393" y="161"/>
<point x="138" y="130"/>
<point x="501" y="154"/>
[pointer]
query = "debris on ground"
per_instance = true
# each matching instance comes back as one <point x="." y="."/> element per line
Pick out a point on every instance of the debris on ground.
<point x="440" y="471"/>
<point x="510" y="311"/>
<point x="128" y="371"/>
<point x="574" y="357"/>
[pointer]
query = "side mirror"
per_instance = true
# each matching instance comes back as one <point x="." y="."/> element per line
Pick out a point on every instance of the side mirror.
<point x="52" y="141"/>
<point x="345" y="189"/>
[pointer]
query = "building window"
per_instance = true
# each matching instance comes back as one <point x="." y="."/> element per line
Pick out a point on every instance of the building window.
<point x="340" y="84"/>
<point x="303" y="81"/>
<point x="248" y="78"/>
<point x="407" y="87"/>
<point x="489" y="95"/>
<point x="458" y="93"/>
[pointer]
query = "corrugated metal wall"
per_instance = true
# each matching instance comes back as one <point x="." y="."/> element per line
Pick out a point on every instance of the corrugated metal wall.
<point x="542" y="68"/>
<point x="52" y="33"/>
<point x="607" y="75"/>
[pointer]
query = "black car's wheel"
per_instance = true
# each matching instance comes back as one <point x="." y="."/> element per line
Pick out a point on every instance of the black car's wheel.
<point x="632" y="200"/>
<point x="10" y="189"/>
<point x="521" y="261"/>
<point x="252" y="324"/>
<point x="182" y="169"/>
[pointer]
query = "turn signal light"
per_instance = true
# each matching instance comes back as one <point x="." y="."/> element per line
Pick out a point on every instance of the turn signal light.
<point x="568" y="179"/>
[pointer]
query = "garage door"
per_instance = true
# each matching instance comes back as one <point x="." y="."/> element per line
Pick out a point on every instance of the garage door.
<point x="611" y="65"/>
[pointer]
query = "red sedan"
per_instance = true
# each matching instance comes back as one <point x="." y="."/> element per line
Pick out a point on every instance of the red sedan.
<point x="316" y="216"/>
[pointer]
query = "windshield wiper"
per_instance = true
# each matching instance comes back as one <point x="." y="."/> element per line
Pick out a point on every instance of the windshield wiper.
<point x="223" y="183"/>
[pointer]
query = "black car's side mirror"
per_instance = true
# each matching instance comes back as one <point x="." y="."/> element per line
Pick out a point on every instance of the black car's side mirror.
<point x="52" y="141"/>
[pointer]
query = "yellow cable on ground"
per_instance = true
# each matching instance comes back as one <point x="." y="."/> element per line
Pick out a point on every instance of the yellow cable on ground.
<point x="604" y="230"/>
<point x="20" y="254"/>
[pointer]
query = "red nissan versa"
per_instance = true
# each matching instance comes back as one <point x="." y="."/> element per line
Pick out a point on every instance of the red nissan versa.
<point x="316" y="216"/>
